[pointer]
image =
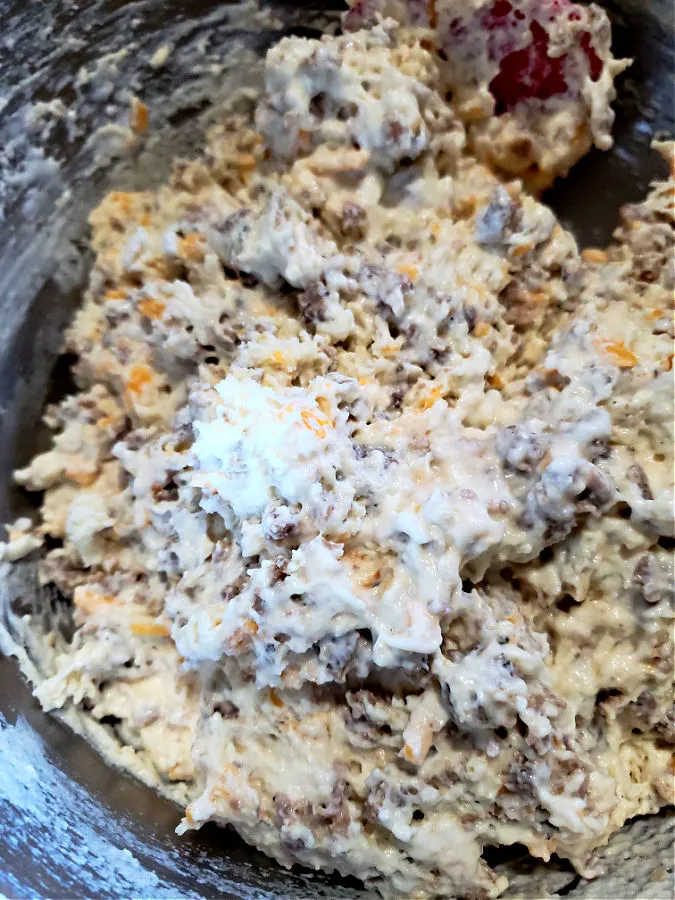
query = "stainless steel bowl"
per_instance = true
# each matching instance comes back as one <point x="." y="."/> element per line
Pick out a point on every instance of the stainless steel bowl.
<point x="70" y="826"/>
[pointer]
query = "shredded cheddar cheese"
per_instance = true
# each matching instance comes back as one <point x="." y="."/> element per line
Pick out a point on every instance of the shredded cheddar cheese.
<point x="115" y="294"/>
<point x="151" y="309"/>
<point x="149" y="628"/>
<point x="139" y="378"/>
<point x="410" y="270"/>
<point x="192" y="247"/>
<point x="619" y="354"/>
<point x="139" y="117"/>
<point x="431" y="398"/>
<point x="594" y="255"/>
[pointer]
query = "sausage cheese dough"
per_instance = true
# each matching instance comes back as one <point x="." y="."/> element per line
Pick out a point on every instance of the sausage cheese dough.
<point x="364" y="499"/>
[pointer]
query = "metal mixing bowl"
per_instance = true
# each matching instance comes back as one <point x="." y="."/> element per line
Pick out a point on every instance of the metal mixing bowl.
<point x="70" y="826"/>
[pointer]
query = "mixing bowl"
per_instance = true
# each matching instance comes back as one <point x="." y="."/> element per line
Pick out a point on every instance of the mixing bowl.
<point x="70" y="826"/>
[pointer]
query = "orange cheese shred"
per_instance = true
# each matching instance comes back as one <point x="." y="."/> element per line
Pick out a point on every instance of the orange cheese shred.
<point x="151" y="309"/>
<point x="431" y="398"/>
<point x="115" y="294"/>
<point x="149" y="628"/>
<point x="139" y="118"/>
<point x="139" y="378"/>
<point x="407" y="269"/>
<point x="619" y="354"/>
<point x="594" y="255"/>
<point x="192" y="247"/>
